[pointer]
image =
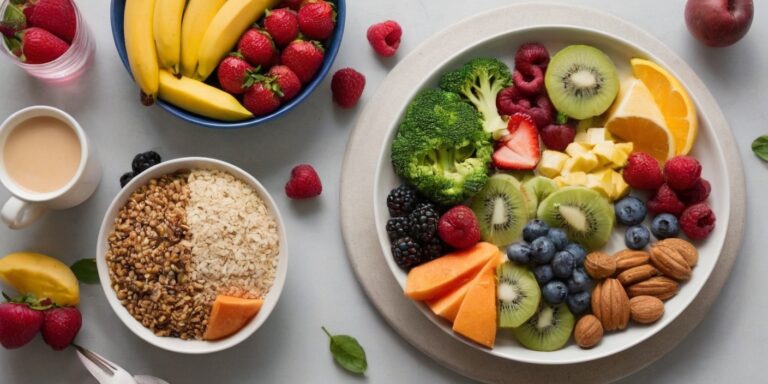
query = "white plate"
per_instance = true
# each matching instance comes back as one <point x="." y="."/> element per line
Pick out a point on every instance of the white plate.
<point x="707" y="149"/>
<point x="172" y="343"/>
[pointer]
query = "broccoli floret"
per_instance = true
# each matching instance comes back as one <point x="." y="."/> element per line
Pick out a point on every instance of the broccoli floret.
<point x="480" y="80"/>
<point x="441" y="148"/>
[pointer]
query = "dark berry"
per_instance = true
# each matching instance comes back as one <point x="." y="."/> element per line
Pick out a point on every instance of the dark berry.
<point x="664" y="226"/>
<point x="532" y="54"/>
<point x="697" y="194"/>
<point x="543" y="273"/>
<point x="557" y="136"/>
<point x="559" y="238"/>
<point x="402" y="201"/>
<point x="637" y="237"/>
<point x="562" y="264"/>
<point x="542" y="250"/>
<point x="143" y="161"/>
<point x="579" y="302"/>
<point x="125" y="178"/>
<point x="535" y="229"/>
<point x="407" y="253"/>
<point x="579" y="281"/>
<point x="423" y="222"/>
<point x="398" y="227"/>
<point x="578" y="252"/>
<point x="519" y="253"/>
<point x="630" y="210"/>
<point x="554" y="292"/>
<point x="433" y="249"/>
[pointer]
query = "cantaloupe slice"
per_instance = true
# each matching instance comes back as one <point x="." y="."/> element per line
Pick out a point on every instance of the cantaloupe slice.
<point x="230" y="314"/>
<point x="476" y="319"/>
<point x="442" y="275"/>
<point x="448" y="306"/>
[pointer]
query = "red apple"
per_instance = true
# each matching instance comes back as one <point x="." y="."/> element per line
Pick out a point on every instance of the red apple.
<point x="718" y="23"/>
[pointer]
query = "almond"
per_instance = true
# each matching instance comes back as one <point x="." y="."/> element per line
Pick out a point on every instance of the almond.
<point x="686" y="249"/>
<point x="629" y="258"/>
<point x="661" y="287"/>
<point x="670" y="262"/>
<point x="599" y="265"/>
<point x="588" y="331"/>
<point x="610" y="304"/>
<point x="637" y="274"/>
<point x="646" y="309"/>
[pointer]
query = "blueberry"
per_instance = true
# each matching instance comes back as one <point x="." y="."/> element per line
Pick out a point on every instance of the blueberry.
<point x="637" y="237"/>
<point x="534" y="229"/>
<point x="579" y="302"/>
<point x="558" y="237"/>
<point x="579" y="281"/>
<point x="578" y="252"/>
<point x="542" y="250"/>
<point x="554" y="292"/>
<point x="562" y="264"/>
<point x="543" y="274"/>
<point x="665" y="225"/>
<point x="519" y="253"/>
<point x="630" y="210"/>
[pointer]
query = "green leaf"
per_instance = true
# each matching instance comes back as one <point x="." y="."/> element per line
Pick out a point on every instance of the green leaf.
<point x="348" y="353"/>
<point x="760" y="147"/>
<point x="14" y="17"/>
<point x="561" y="118"/>
<point x="85" y="271"/>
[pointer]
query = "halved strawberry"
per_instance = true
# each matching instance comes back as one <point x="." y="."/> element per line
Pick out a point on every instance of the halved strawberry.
<point x="519" y="149"/>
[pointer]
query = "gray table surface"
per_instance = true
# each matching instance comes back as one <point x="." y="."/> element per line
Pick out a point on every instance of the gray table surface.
<point x="728" y="346"/>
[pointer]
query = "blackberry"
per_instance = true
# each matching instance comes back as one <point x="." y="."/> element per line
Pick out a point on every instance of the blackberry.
<point x="433" y="249"/>
<point x="143" y="161"/>
<point x="125" y="178"/>
<point x="402" y="201"/>
<point x="423" y="222"/>
<point x="407" y="253"/>
<point x="398" y="227"/>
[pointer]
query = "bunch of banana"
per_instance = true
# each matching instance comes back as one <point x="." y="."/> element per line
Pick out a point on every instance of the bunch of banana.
<point x="167" y="30"/>
<point x="140" y="45"/>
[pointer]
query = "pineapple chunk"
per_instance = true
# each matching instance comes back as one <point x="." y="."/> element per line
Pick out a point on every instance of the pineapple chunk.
<point x="604" y="152"/>
<point x="576" y="178"/>
<point x="581" y="138"/>
<point x="561" y="182"/>
<point x="620" y="187"/>
<point x="601" y="181"/>
<point x="574" y="149"/>
<point x="551" y="163"/>
<point x="584" y="162"/>
<point x="597" y="135"/>
<point x="625" y="147"/>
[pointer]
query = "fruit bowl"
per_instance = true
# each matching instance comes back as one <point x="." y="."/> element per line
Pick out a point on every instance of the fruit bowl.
<point x="176" y="344"/>
<point x="331" y="49"/>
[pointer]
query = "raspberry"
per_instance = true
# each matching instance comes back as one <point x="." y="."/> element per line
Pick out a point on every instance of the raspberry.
<point x="697" y="221"/>
<point x="511" y="100"/>
<point x="557" y="137"/>
<point x="696" y="194"/>
<point x="304" y="183"/>
<point x="407" y="253"/>
<point x="529" y="79"/>
<point x="347" y="87"/>
<point x="423" y="222"/>
<point x="458" y="227"/>
<point x="665" y="201"/>
<point x="402" y="201"/>
<point x="385" y="37"/>
<point x="398" y="227"/>
<point x="532" y="54"/>
<point x="643" y="172"/>
<point x="682" y="172"/>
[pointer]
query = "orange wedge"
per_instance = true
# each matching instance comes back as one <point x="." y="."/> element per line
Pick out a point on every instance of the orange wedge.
<point x="676" y="106"/>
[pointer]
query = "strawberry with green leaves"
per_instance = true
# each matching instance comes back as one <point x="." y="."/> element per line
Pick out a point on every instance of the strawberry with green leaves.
<point x="304" y="58"/>
<point x="263" y="95"/>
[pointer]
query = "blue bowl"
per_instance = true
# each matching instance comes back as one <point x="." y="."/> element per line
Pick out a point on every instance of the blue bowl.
<point x="331" y="48"/>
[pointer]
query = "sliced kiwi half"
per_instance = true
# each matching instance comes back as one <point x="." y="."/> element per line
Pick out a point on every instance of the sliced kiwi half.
<point x="547" y="330"/>
<point x="581" y="81"/>
<point x="535" y="190"/>
<point x="584" y="213"/>
<point x="501" y="209"/>
<point x="517" y="294"/>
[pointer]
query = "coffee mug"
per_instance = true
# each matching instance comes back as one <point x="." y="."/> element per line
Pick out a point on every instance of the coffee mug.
<point x="34" y="139"/>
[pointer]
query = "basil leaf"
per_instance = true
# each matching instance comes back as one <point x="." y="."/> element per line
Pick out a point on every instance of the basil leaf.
<point x="760" y="147"/>
<point x="347" y="352"/>
<point x="85" y="271"/>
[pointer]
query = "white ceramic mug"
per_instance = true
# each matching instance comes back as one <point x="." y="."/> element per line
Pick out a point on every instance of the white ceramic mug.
<point x="25" y="207"/>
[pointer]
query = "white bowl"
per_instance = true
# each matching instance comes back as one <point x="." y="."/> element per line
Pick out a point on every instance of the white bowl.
<point x="171" y="343"/>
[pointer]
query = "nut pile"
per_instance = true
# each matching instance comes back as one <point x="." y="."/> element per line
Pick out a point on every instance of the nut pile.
<point x="635" y="285"/>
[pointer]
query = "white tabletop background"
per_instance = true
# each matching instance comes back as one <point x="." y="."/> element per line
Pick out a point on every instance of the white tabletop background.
<point x="728" y="346"/>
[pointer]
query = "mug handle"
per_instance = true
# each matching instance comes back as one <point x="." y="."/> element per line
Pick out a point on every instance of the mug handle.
<point x="18" y="213"/>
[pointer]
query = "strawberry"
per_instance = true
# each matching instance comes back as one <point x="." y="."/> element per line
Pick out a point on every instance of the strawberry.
<point x="60" y="327"/>
<point x="55" y="16"/>
<point x="263" y="96"/>
<point x="347" y="87"/>
<point x="283" y="25"/>
<point x="232" y="73"/>
<point x="289" y="83"/>
<point x="643" y="172"/>
<point x="39" y="46"/>
<point x="317" y="19"/>
<point x="520" y="148"/>
<point x="29" y="10"/>
<point x="293" y="4"/>
<point x="384" y="37"/>
<point x="304" y="58"/>
<point x="304" y="183"/>
<point x="20" y="320"/>
<point x="459" y="228"/>
<point x="257" y="47"/>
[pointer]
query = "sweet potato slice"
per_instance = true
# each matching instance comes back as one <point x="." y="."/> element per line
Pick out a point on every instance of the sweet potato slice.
<point x="476" y="319"/>
<point x="230" y="314"/>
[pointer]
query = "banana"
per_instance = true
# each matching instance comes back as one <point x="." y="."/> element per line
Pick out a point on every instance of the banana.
<point x="200" y="98"/>
<point x="234" y="17"/>
<point x="197" y="17"/>
<point x="167" y="30"/>
<point x="140" y="46"/>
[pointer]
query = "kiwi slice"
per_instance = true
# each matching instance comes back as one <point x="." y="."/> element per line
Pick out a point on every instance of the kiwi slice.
<point x="517" y="294"/>
<point x="581" y="81"/>
<point x="548" y="330"/>
<point x="501" y="209"/>
<point x="537" y="189"/>
<point x="584" y="213"/>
